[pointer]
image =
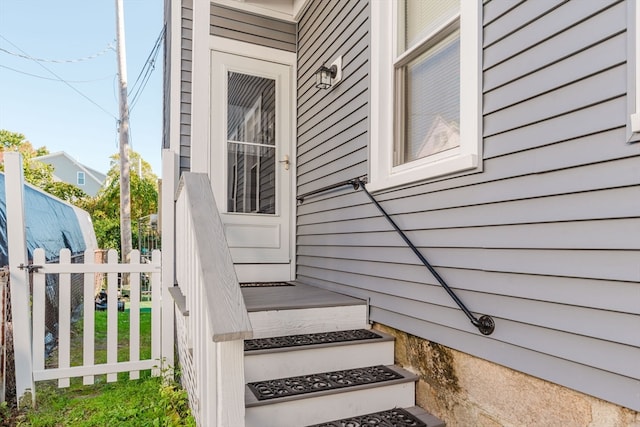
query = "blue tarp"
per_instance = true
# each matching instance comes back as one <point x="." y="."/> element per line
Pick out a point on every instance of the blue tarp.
<point x="51" y="225"/>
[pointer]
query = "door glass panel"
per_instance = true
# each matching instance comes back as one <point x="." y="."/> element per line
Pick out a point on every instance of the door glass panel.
<point x="251" y="178"/>
<point x="251" y="135"/>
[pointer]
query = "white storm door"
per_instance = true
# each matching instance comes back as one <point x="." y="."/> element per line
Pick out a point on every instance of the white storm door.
<point x="251" y="138"/>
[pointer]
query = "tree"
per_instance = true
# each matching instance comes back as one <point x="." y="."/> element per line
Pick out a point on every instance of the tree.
<point x="67" y="192"/>
<point x="36" y="173"/>
<point x="105" y="207"/>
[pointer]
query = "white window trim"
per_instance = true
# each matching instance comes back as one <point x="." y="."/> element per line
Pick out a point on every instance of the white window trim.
<point x="633" y="92"/>
<point x="84" y="178"/>
<point x="382" y="173"/>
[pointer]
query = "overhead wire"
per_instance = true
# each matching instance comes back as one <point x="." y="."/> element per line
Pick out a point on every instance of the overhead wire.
<point x="60" y="78"/>
<point x="146" y="71"/>
<point x="62" y="61"/>
<point x="146" y="62"/>
<point x="50" y="78"/>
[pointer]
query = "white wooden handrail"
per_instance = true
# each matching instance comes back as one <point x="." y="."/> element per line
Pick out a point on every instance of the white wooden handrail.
<point x="228" y="317"/>
<point x="212" y="321"/>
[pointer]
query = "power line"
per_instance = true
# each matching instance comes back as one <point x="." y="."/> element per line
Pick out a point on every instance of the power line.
<point x="49" y="78"/>
<point x="61" y="61"/>
<point x="147" y="70"/>
<point x="60" y="79"/>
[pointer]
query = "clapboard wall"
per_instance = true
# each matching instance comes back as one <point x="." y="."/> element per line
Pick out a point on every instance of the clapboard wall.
<point x="255" y="29"/>
<point x="545" y="239"/>
<point x="333" y="125"/>
<point x="166" y="75"/>
<point x="186" y="66"/>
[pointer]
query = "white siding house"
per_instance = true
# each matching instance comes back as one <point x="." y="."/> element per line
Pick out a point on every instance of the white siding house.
<point x="69" y="170"/>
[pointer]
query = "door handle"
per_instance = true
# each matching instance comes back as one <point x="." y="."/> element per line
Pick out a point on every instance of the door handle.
<point x="286" y="162"/>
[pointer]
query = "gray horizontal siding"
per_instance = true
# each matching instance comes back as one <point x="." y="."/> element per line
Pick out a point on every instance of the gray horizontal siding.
<point x="186" y="67"/>
<point x="600" y="234"/>
<point x="545" y="239"/>
<point x="332" y="125"/>
<point x="573" y="39"/>
<point x="247" y="27"/>
<point x="591" y="61"/>
<point x="166" y="76"/>
<point x="534" y="23"/>
<point x="495" y="9"/>
<point x="582" y="323"/>
<point x="587" y="264"/>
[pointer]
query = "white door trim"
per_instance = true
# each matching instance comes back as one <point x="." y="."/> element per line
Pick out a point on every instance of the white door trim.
<point x="203" y="44"/>
<point x="267" y="272"/>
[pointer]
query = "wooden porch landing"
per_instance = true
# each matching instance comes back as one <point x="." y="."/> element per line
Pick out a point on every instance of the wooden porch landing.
<point x="294" y="297"/>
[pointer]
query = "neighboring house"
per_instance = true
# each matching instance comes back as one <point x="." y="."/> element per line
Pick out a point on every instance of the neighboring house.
<point x="69" y="170"/>
<point x="499" y="134"/>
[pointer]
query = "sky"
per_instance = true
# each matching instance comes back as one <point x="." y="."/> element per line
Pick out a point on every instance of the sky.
<point x="80" y="120"/>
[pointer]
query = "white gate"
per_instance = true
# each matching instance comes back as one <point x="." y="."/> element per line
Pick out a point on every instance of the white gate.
<point x="116" y="309"/>
<point x="31" y="309"/>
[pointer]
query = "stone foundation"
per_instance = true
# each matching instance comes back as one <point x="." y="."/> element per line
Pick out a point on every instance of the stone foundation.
<point x="468" y="391"/>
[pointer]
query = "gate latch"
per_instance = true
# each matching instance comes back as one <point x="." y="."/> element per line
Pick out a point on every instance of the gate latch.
<point x="30" y="268"/>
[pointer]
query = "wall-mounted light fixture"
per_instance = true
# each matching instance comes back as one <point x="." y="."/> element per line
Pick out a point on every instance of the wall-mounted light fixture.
<point x="324" y="76"/>
<point x="329" y="76"/>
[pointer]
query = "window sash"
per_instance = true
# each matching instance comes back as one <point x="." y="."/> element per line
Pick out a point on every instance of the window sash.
<point x="402" y="109"/>
<point x="433" y="38"/>
<point x="384" y="56"/>
<point x="438" y="20"/>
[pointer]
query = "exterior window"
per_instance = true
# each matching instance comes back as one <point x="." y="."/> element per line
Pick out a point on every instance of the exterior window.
<point x="426" y="90"/>
<point x="427" y="73"/>
<point x="80" y="178"/>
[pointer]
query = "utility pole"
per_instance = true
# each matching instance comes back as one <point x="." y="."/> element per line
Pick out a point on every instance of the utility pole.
<point x="123" y="131"/>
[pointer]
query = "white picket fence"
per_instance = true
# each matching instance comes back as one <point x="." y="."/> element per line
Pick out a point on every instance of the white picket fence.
<point x="114" y="272"/>
<point x="29" y="309"/>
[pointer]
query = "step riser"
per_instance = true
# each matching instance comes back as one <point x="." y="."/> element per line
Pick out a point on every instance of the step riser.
<point x="307" y="321"/>
<point x="307" y="360"/>
<point x="314" y="410"/>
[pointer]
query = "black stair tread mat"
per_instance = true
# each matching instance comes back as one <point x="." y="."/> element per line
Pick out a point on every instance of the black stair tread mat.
<point x="294" y="386"/>
<point x="309" y="339"/>
<point x="396" y="417"/>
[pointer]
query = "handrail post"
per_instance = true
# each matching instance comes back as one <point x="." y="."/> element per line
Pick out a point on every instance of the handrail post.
<point x="214" y="320"/>
<point x="166" y="219"/>
<point x="19" y="275"/>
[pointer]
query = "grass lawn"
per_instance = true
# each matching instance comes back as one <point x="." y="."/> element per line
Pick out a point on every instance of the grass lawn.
<point x="143" y="402"/>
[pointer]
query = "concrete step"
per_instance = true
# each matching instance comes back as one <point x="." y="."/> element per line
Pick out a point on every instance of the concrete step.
<point x="303" y="354"/>
<point x="311" y="399"/>
<point x="407" y="417"/>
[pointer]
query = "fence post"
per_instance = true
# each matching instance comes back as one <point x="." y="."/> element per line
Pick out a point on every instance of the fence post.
<point x="19" y="277"/>
<point x="3" y="339"/>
